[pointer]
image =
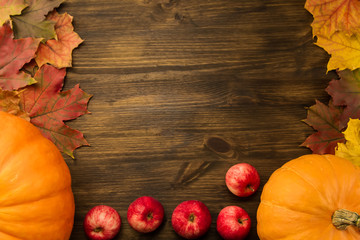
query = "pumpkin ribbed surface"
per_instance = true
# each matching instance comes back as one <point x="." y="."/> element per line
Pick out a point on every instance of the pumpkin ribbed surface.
<point x="300" y="199"/>
<point x="36" y="200"/>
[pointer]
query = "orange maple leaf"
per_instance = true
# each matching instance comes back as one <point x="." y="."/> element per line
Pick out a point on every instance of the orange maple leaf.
<point x="58" y="52"/>
<point x="331" y="16"/>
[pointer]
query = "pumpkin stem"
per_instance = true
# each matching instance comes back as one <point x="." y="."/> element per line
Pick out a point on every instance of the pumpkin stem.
<point x="343" y="218"/>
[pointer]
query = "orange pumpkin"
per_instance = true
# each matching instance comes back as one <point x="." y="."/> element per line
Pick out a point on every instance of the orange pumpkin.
<point x="36" y="200"/>
<point x="313" y="197"/>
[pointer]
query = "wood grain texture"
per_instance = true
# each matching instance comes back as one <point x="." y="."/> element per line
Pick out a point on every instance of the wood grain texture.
<point x="167" y="74"/>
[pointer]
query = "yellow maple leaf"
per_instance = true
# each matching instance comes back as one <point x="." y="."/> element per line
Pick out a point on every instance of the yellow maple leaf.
<point x="10" y="7"/>
<point x="344" y="50"/>
<point x="331" y="16"/>
<point x="351" y="148"/>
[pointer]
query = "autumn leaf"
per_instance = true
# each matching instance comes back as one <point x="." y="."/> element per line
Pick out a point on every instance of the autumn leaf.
<point x="345" y="92"/>
<point x="13" y="55"/>
<point x="344" y="50"/>
<point x="10" y="102"/>
<point x="351" y="148"/>
<point x="325" y="119"/>
<point x="49" y="107"/>
<point x="30" y="67"/>
<point x="59" y="52"/>
<point x="10" y="7"/>
<point x="32" y="22"/>
<point x="64" y="137"/>
<point x="331" y="16"/>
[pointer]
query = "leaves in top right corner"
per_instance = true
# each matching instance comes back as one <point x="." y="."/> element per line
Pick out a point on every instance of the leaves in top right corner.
<point x="331" y="16"/>
<point x="336" y="26"/>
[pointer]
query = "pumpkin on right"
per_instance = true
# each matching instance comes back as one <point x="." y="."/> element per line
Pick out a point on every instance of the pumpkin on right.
<point x="313" y="197"/>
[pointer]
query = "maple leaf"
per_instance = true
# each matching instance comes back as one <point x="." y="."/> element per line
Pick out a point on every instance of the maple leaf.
<point x="13" y="55"/>
<point x="331" y="16"/>
<point x="10" y="7"/>
<point x="325" y="119"/>
<point x="351" y="148"/>
<point x="346" y="92"/>
<point x="59" y="52"/>
<point x="32" y="22"/>
<point x="10" y="102"/>
<point x="344" y="50"/>
<point x="49" y="107"/>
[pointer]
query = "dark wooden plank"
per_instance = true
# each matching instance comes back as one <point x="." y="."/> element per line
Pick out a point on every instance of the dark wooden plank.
<point x="166" y="75"/>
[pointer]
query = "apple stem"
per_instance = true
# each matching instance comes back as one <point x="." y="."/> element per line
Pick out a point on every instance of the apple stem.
<point x="98" y="229"/>
<point x="191" y="217"/>
<point x="241" y="221"/>
<point x="150" y="216"/>
<point x="251" y="188"/>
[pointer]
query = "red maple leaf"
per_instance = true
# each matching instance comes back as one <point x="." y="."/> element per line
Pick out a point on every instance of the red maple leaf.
<point x="325" y="119"/>
<point x="13" y="55"/>
<point x="48" y="108"/>
<point x="345" y="92"/>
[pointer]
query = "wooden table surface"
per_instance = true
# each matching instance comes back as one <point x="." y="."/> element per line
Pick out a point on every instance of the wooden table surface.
<point x="168" y="74"/>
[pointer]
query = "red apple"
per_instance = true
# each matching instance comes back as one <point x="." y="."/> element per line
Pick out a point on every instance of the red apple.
<point x="233" y="223"/>
<point x="191" y="219"/>
<point x="145" y="214"/>
<point x="102" y="223"/>
<point x="242" y="179"/>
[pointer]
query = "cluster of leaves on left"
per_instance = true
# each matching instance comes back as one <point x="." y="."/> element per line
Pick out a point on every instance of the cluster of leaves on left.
<point x="36" y="44"/>
<point x="336" y="28"/>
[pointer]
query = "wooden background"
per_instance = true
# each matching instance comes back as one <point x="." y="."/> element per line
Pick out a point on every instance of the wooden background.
<point x="167" y="74"/>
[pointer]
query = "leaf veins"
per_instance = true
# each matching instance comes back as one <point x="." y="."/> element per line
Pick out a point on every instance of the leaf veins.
<point x="14" y="54"/>
<point x="331" y="16"/>
<point x="49" y="107"/>
<point x="58" y="52"/>
<point x="325" y="119"/>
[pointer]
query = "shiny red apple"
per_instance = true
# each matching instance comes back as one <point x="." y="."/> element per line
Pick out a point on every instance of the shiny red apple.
<point x="242" y="179"/>
<point x="145" y="214"/>
<point x="191" y="219"/>
<point x="233" y="223"/>
<point x="102" y="223"/>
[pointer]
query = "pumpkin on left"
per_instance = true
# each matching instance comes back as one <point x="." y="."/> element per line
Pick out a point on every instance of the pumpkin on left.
<point x="36" y="199"/>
